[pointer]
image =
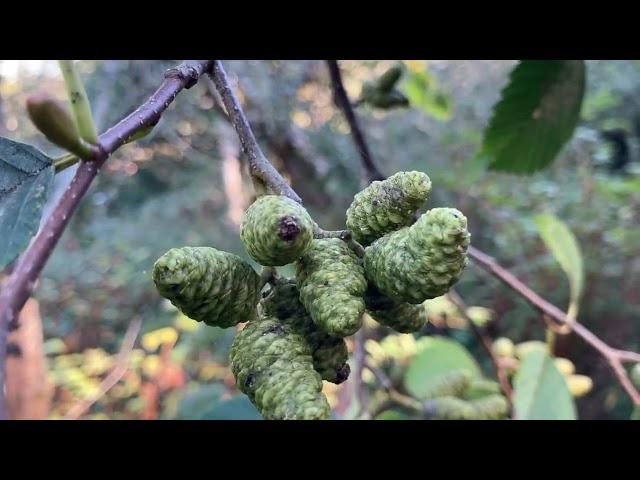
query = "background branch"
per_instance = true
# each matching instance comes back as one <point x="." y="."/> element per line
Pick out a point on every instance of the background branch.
<point x="486" y="342"/>
<point x="20" y="284"/>
<point x="341" y="99"/>
<point x="614" y="356"/>
<point x="259" y="166"/>
<point x="121" y="367"/>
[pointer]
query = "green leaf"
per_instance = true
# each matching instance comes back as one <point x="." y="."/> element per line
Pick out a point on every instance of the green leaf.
<point x="199" y="401"/>
<point x="392" y="415"/>
<point x="635" y="415"/>
<point x="238" y="408"/>
<point x="26" y="176"/>
<point x="564" y="247"/>
<point x="536" y="115"/>
<point x="423" y="92"/>
<point x="437" y="358"/>
<point x="540" y="390"/>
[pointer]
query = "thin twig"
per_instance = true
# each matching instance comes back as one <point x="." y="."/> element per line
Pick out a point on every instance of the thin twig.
<point x="358" y="367"/>
<point x="396" y="397"/>
<point x="20" y="284"/>
<point x="614" y="356"/>
<point x="259" y="166"/>
<point x="341" y="99"/>
<point x="116" y="373"/>
<point x="341" y="234"/>
<point x="486" y="342"/>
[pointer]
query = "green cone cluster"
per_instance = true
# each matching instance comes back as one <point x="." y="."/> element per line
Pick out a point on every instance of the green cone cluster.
<point x="400" y="316"/>
<point x="459" y="396"/>
<point x="329" y="353"/>
<point x="387" y="205"/>
<point x="332" y="286"/>
<point x="453" y="384"/>
<point x="275" y="230"/>
<point x="273" y="366"/>
<point x="382" y="93"/>
<point x="208" y="285"/>
<point x="491" y="407"/>
<point x="294" y="335"/>
<point x="422" y="261"/>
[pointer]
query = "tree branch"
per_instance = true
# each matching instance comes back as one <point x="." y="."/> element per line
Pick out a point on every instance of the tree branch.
<point x="20" y="284"/>
<point x="614" y="356"/>
<point x="341" y="99"/>
<point x="259" y="166"/>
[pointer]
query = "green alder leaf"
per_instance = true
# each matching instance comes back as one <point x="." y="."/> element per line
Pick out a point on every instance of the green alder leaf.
<point x="437" y="358"/>
<point x="565" y="248"/>
<point x="536" y="115"/>
<point x="26" y="176"/>
<point x="540" y="391"/>
<point x="423" y="92"/>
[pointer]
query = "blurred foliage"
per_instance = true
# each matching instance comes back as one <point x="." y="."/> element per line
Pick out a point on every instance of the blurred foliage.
<point x="186" y="184"/>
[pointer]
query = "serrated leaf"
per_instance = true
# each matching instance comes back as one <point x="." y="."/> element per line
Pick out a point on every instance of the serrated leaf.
<point x="540" y="390"/>
<point x="26" y="176"/>
<point x="422" y="90"/>
<point x="536" y="115"/>
<point x="565" y="248"/>
<point x="437" y="358"/>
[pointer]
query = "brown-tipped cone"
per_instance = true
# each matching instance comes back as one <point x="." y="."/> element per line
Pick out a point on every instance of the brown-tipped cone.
<point x="54" y="121"/>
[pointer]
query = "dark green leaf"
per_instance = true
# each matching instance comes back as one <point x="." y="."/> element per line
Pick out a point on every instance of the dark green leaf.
<point x="536" y="115"/>
<point x="540" y="390"/>
<point x="26" y="175"/>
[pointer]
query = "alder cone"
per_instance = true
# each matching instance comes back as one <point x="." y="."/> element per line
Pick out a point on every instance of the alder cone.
<point x="387" y="205"/>
<point x="452" y="384"/>
<point x="208" y="285"/>
<point x="276" y="230"/>
<point x="480" y="387"/>
<point x="330" y="354"/>
<point x="272" y="365"/>
<point x="491" y="407"/>
<point x="400" y="316"/>
<point x="420" y="262"/>
<point x="332" y="285"/>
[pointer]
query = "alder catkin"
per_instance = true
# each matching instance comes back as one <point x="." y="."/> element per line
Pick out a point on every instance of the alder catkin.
<point x="420" y="262"/>
<point x="332" y="283"/>
<point x="208" y="285"/>
<point x="400" y="316"/>
<point x="329" y="353"/>
<point x="387" y="205"/>
<point x="272" y="365"/>
<point x="276" y="230"/>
